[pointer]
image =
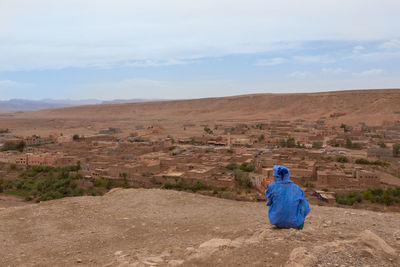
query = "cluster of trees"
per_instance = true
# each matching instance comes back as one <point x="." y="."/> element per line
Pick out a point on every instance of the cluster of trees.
<point x="13" y="146"/>
<point x="348" y="199"/>
<point x="375" y="162"/>
<point x="46" y="183"/>
<point x="3" y="131"/>
<point x="181" y="185"/>
<point x="377" y="195"/>
<point x="345" y="127"/>
<point x="351" y="145"/>
<point x="289" y="142"/>
<point x="242" y="179"/>
<point x="245" y="167"/>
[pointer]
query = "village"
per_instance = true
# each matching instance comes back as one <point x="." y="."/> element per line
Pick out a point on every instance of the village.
<point x="221" y="155"/>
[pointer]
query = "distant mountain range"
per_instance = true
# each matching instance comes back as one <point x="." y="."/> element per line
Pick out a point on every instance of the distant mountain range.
<point x="23" y="105"/>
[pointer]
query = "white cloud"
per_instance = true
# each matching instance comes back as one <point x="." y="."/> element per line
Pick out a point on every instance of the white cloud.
<point x="157" y="63"/>
<point x="300" y="75"/>
<point x="391" y="45"/>
<point x="358" y="49"/>
<point x="318" y="59"/>
<point x="13" y="84"/>
<point x="371" y="72"/>
<point x="64" y="33"/>
<point x="334" y="70"/>
<point x="271" y="61"/>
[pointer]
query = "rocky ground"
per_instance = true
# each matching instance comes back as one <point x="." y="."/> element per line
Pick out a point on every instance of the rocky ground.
<point x="138" y="227"/>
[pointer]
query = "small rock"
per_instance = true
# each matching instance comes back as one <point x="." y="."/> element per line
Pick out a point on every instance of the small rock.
<point x="118" y="253"/>
<point x="78" y="260"/>
<point x="396" y="235"/>
<point x="300" y="257"/>
<point x="173" y="263"/>
<point x="215" y="243"/>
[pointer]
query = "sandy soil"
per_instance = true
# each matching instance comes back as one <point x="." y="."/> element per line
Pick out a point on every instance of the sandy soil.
<point x="139" y="227"/>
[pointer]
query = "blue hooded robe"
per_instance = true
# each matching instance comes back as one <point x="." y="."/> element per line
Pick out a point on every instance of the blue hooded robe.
<point x="287" y="206"/>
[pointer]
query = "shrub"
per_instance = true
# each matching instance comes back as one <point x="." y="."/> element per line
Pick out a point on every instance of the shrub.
<point x="13" y="166"/>
<point x="317" y="144"/>
<point x="208" y="130"/>
<point x="396" y="149"/>
<point x="362" y="161"/>
<point x="376" y="162"/>
<point x="232" y="166"/>
<point x="75" y="137"/>
<point x="379" y="195"/>
<point x="367" y="194"/>
<point x="247" y="167"/>
<point x="100" y="182"/>
<point x="291" y="142"/>
<point x="209" y="150"/>
<point x="242" y="179"/>
<point x="309" y="184"/>
<point x="342" y="159"/>
<point x="13" y="146"/>
<point x="348" y="199"/>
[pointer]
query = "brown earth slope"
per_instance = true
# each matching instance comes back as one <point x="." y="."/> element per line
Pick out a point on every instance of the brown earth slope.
<point x="370" y="106"/>
<point x="138" y="227"/>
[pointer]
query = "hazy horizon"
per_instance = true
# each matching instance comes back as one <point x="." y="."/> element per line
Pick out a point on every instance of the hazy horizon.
<point x="181" y="50"/>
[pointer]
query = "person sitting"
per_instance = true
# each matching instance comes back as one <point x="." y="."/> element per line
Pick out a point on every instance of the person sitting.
<point x="287" y="206"/>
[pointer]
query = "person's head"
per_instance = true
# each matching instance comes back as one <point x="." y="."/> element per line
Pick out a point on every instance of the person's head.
<point x="281" y="173"/>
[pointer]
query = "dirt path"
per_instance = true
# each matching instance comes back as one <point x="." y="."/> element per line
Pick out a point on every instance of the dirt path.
<point x="139" y="227"/>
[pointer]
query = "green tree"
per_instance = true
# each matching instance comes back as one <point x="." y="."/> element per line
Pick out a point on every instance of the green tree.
<point x="208" y="130"/>
<point x="282" y="142"/>
<point x="349" y="143"/>
<point x="317" y="144"/>
<point x="396" y="149"/>
<point x="242" y="179"/>
<point x="291" y="142"/>
<point x="345" y="127"/>
<point x="342" y="159"/>
<point x="382" y="145"/>
<point x="232" y="166"/>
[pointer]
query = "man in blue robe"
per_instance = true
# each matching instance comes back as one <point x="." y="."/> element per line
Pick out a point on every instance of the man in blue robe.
<point x="287" y="206"/>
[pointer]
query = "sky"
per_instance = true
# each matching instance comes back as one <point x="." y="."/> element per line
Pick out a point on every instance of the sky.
<point x="180" y="49"/>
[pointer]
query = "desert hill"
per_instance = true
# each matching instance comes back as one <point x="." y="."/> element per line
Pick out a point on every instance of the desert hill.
<point x="369" y="106"/>
<point x="139" y="227"/>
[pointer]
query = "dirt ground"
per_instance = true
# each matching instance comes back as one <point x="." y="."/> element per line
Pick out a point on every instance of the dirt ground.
<point x="151" y="227"/>
<point x="11" y="201"/>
